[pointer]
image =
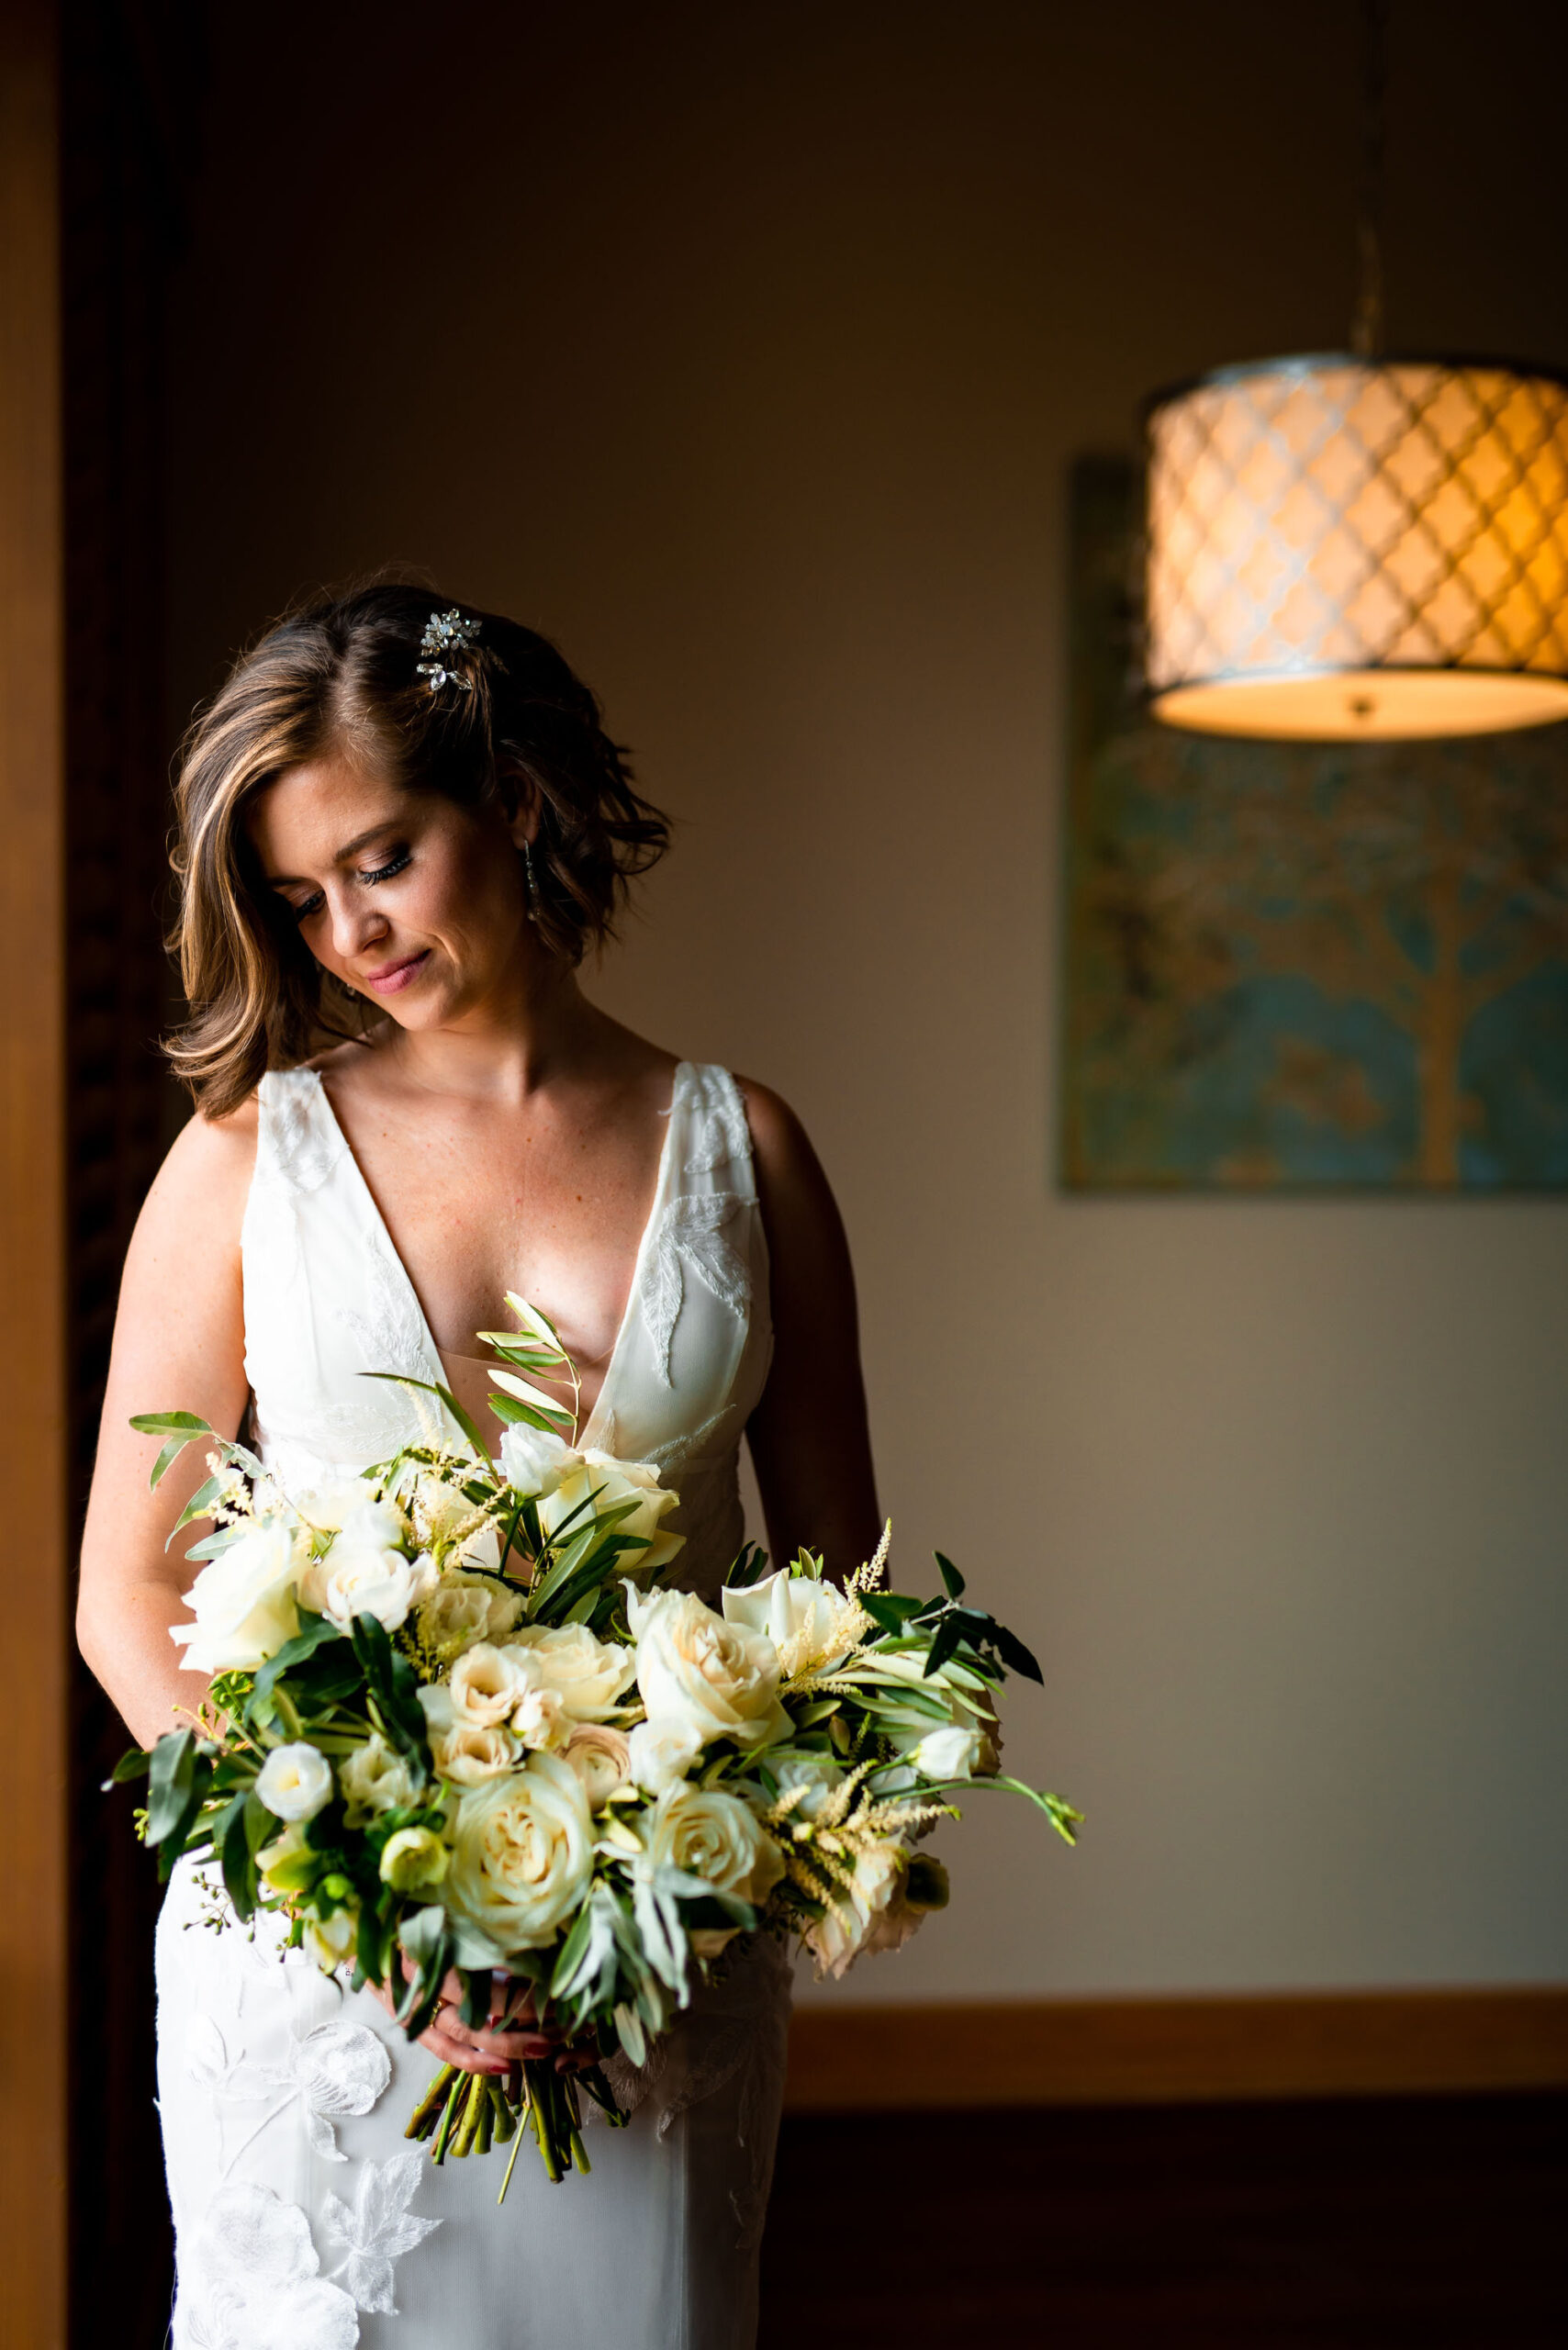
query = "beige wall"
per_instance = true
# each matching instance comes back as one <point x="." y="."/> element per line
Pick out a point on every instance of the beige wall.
<point x="743" y="349"/>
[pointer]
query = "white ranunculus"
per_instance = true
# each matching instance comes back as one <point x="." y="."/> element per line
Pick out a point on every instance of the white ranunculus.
<point x="464" y="1609"/>
<point x="601" y="1757"/>
<point x="522" y="1854"/>
<point x="590" y="1675"/>
<point x="245" y="1601"/>
<point x="295" y="1780"/>
<point x="836" y="1939"/>
<point x="693" y="1667"/>
<point x="486" y="1683"/>
<point x="661" y="1754"/>
<point x="811" y="1623"/>
<point x="356" y="1580"/>
<point x="374" y="1778"/>
<point x="464" y="1752"/>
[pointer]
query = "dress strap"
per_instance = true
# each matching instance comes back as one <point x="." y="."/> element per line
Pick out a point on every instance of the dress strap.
<point x="711" y="1145"/>
<point x="298" y="1141"/>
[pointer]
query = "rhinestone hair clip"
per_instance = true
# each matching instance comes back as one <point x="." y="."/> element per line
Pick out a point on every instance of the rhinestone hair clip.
<point x="447" y="636"/>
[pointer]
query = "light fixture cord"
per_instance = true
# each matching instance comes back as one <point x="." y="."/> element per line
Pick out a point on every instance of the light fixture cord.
<point x="1366" y="324"/>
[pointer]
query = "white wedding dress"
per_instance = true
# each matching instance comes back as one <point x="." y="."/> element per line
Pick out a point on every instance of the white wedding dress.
<point x="305" y="2220"/>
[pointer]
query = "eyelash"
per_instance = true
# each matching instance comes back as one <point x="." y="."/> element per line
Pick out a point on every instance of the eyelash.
<point x="382" y="873"/>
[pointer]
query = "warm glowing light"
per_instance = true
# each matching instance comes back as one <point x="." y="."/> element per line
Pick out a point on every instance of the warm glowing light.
<point x="1343" y="548"/>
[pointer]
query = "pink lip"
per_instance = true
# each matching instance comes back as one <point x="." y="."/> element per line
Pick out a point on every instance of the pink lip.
<point x="393" y="976"/>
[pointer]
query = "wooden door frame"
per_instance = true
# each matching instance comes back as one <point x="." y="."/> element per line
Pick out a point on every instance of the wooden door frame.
<point x="33" y="1944"/>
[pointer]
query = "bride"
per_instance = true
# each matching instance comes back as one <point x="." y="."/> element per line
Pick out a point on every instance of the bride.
<point x="402" y="829"/>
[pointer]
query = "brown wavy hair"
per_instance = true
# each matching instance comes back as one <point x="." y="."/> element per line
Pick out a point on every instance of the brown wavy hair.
<point x="341" y="675"/>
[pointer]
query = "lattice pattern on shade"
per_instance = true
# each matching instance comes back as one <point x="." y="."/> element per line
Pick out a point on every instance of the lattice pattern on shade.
<point x="1317" y="514"/>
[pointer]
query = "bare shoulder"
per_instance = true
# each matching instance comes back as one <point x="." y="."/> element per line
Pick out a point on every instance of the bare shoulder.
<point x="787" y="1166"/>
<point x="199" y="1192"/>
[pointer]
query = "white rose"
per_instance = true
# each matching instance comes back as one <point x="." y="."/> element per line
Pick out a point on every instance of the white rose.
<point x="836" y="1939"/>
<point x="294" y="1781"/>
<point x="245" y="1601"/>
<point x="374" y="1778"/>
<point x="952" y="1753"/>
<point x="662" y="1752"/>
<point x="612" y="1484"/>
<point x="486" y="1683"/>
<point x="716" y="1836"/>
<point x="591" y="1675"/>
<point x="464" y="1752"/>
<point x="811" y="1623"/>
<point x="360" y="1582"/>
<point x="522" y="1855"/>
<point x="535" y="1460"/>
<point x="464" y="1609"/>
<point x="601" y="1757"/>
<point x="693" y="1667"/>
<point x="540" y="1720"/>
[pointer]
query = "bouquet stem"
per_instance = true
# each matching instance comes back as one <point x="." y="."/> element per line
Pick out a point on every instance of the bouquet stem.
<point x="467" y="2113"/>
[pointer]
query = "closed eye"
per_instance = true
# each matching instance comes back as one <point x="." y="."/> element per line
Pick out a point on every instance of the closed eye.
<point x="302" y="909"/>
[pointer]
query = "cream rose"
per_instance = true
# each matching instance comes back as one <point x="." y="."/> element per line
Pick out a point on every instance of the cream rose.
<point x="692" y="1667"/>
<point x="294" y="1781"/>
<point x="486" y="1683"/>
<point x="816" y="1775"/>
<point x="591" y="1675"/>
<point x="522" y="1855"/>
<point x="465" y="1752"/>
<point x="245" y="1601"/>
<point x="601" y="1757"/>
<point x="374" y="1778"/>
<point x="811" y="1623"/>
<point x="561" y="1480"/>
<point x="716" y="1836"/>
<point x="464" y="1609"/>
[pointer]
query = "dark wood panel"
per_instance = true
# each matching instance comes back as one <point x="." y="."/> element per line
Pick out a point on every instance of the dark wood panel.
<point x="1119" y="2051"/>
<point x="1436" y="2223"/>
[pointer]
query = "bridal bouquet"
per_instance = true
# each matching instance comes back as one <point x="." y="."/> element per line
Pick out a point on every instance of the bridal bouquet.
<point x="460" y="1718"/>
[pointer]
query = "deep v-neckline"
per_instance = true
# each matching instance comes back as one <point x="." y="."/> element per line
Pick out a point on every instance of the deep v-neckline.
<point x="382" y="1232"/>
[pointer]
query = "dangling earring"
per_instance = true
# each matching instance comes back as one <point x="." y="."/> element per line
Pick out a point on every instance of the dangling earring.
<point x="530" y="885"/>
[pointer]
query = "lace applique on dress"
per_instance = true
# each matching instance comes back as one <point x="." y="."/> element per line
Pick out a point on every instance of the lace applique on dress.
<point x="251" y="2281"/>
<point x="377" y="2228"/>
<point x="721" y="1138"/>
<point x="337" y="2070"/>
<point x="305" y="1146"/>
<point x="690" y="1236"/>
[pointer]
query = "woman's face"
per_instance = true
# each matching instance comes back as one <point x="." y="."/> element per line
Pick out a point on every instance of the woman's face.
<point x="417" y="904"/>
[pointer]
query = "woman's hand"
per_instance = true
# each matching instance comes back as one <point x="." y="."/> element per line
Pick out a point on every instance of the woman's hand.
<point x="513" y="2030"/>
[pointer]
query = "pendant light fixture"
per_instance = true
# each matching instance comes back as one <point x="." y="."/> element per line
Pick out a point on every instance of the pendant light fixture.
<point x="1352" y="545"/>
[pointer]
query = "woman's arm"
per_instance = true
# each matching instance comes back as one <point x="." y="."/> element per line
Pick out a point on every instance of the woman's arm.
<point x="179" y="1345"/>
<point x="809" y="1440"/>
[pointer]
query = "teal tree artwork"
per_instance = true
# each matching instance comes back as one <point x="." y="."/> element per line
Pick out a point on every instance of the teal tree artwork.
<point x="1299" y="965"/>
